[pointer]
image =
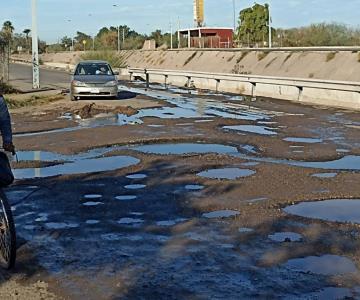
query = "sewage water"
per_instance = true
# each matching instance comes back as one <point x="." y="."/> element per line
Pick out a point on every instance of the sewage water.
<point x="303" y="140"/>
<point x="186" y="148"/>
<point x="285" y="237"/>
<point x="226" y="173"/>
<point x="342" y="210"/>
<point x="221" y="214"/>
<point x="252" y="129"/>
<point x="323" y="265"/>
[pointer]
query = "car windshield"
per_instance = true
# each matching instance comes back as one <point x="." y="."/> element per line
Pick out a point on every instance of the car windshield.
<point x="93" y="69"/>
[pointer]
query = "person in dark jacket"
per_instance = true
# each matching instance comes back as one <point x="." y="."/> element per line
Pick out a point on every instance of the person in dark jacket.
<point x="5" y="126"/>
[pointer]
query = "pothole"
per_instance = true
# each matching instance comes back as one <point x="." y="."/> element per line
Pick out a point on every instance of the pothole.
<point x="135" y="186"/>
<point x="341" y="210"/>
<point x="221" y="214"/>
<point x="126" y="197"/>
<point x="226" y="173"/>
<point x="285" y="237"/>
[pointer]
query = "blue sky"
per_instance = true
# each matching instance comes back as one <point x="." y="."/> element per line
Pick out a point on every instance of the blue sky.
<point x="146" y="15"/>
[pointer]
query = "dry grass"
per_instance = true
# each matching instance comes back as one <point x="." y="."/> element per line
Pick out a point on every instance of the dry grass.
<point x="330" y="56"/>
<point x="33" y="100"/>
<point x="262" y="55"/>
<point x="111" y="57"/>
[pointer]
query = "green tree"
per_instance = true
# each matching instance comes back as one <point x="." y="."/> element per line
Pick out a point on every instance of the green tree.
<point x="66" y="42"/>
<point x="253" y="24"/>
<point x="7" y="31"/>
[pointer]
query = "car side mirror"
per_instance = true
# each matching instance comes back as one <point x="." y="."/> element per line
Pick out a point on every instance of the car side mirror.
<point x="116" y="73"/>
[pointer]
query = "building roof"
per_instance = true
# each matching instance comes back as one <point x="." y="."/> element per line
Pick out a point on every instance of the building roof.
<point x="205" y="28"/>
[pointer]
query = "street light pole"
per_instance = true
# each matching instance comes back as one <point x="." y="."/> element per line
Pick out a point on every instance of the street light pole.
<point x="234" y="8"/>
<point x="35" y="47"/>
<point x="171" y="36"/>
<point x="270" y="33"/>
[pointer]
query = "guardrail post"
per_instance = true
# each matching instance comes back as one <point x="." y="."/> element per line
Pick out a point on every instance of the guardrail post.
<point x="166" y="86"/>
<point x="300" y="92"/>
<point x="253" y="89"/>
<point x="147" y="75"/>
<point x="217" y="85"/>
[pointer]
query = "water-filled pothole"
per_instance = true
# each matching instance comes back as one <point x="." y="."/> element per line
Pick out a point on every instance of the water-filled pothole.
<point x="285" y="237"/>
<point x="92" y="196"/>
<point x="226" y="173"/>
<point x="342" y="210"/>
<point x="221" y="214"/>
<point x="92" y="222"/>
<point x="186" y="148"/>
<point x="303" y="140"/>
<point x="262" y="130"/>
<point x="323" y="265"/>
<point x="136" y="176"/>
<point x="135" y="186"/>
<point x="126" y="197"/>
<point x="130" y="221"/>
<point x="61" y="225"/>
<point x="245" y="230"/>
<point x="194" y="187"/>
<point x="325" y="175"/>
<point x="92" y="203"/>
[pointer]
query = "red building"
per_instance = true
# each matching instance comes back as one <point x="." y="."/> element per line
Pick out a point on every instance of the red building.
<point x="206" y="37"/>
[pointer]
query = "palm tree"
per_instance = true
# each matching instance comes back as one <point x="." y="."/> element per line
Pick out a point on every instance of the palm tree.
<point x="27" y="32"/>
<point x="8" y="30"/>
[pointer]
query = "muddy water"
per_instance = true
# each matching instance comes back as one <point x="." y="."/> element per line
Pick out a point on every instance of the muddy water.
<point x="252" y="129"/>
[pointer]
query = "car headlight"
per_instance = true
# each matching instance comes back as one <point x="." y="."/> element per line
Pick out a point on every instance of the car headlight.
<point x="78" y="83"/>
<point x="111" y="83"/>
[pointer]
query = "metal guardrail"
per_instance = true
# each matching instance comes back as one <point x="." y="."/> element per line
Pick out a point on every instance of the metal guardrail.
<point x="300" y="83"/>
<point x="275" y="49"/>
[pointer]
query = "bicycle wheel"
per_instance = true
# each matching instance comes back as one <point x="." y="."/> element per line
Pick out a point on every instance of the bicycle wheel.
<point x="7" y="234"/>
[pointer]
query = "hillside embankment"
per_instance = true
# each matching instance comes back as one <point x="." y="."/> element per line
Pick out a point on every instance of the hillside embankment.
<point x="327" y="65"/>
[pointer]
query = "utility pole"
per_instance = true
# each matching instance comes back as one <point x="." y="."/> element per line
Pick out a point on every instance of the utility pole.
<point x="35" y="47"/>
<point x="119" y="38"/>
<point x="171" y="36"/>
<point x="270" y="31"/>
<point x="234" y="8"/>
<point x="179" y="43"/>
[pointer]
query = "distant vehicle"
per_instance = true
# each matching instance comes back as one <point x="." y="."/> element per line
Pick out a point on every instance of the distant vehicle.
<point x="93" y="78"/>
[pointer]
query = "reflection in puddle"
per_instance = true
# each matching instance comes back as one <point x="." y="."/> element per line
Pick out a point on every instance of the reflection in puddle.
<point x="324" y="265"/>
<point x="194" y="187"/>
<point x="343" y="210"/>
<point x="189" y="148"/>
<point x="252" y="129"/>
<point x="226" y="173"/>
<point x="303" y="140"/>
<point x="130" y="221"/>
<point x="135" y="186"/>
<point x="92" y="203"/>
<point x="325" y="175"/>
<point x="221" y="214"/>
<point x="285" y="237"/>
<point x="126" y="197"/>
<point x="136" y="176"/>
<point x="62" y="225"/>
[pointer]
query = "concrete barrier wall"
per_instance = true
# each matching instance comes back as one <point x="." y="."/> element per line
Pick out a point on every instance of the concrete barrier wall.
<point x="327" y="93"/>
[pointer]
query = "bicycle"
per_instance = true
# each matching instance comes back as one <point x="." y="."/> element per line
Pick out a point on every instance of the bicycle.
<point x="7" y="234"/>
<point x="7" y="227"/>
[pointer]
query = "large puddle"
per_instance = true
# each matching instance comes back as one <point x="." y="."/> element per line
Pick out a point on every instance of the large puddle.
<point x="252" y="129"/>
<point x="342" y="210"/>
<point x="226" y="173"/>
<point x="323" y="265"/>
<point x="187" y="148"/>
<point x="82" y="163"/>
